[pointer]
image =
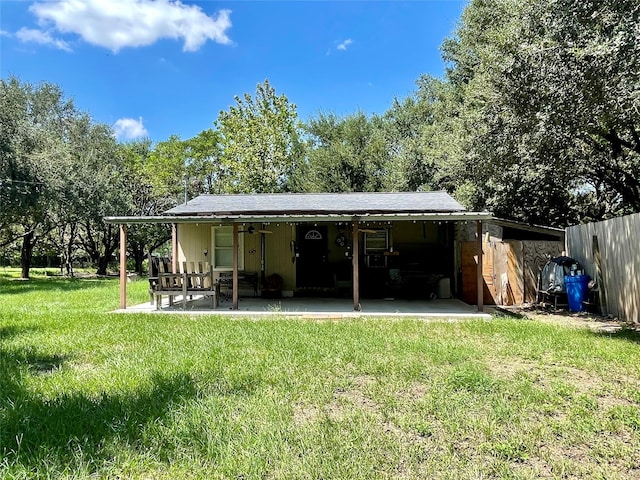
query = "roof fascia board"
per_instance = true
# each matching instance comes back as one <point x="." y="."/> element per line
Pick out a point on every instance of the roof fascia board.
<point x="443" y="216"/>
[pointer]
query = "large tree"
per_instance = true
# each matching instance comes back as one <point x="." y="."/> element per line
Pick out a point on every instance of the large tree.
<point x="143" y="199"/>
<point x="543" y="97"/>
<point x="63" y="174"/>
<point x="412" y="158"/>
<point x="35" y="121"/>
<point x="345" y="155"/>
<point x="100" y="182"/>
<point x="204" y="167"/>
<point x="261" y="145"/>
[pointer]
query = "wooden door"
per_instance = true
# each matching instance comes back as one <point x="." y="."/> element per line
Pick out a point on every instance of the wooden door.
<point x="469" y="259"/>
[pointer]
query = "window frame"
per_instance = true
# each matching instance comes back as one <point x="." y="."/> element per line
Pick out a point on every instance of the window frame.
<point x="214" y="249"/>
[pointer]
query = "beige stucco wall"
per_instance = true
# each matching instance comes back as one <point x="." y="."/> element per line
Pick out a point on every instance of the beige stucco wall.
<point x="337" y="253"/>
<point x="193" y="239"/>
<point x="412" y="233"/>
<point x="278" y="254"/>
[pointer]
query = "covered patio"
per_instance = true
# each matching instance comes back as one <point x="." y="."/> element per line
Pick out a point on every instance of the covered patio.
<point x="375" y="253"/>
<point x="319" y="308"/>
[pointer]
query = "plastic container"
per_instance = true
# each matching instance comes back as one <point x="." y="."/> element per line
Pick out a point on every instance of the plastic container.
<point x="444" y="288"/>
<point x="577" y="287"/>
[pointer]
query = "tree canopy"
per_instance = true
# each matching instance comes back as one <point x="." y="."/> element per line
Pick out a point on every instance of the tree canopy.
<point x="261" y="142"/>
<point x="543" y="100"/>
<point x="537" y="118"/>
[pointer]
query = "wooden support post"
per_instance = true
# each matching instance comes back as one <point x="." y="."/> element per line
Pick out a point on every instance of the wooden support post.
<point x="480" y="282"/>
<point x="356" y="273"/>
<point x="174" y="248"/>
<point x="597" y="260"/>
<point x="235" y="266"/>
<point x="123" y="267"/>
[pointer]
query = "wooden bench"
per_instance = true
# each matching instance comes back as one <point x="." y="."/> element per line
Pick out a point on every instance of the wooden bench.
<point x="186" y="285"/>
<point x="245" y="279"/>
<point x="156" y="265"/>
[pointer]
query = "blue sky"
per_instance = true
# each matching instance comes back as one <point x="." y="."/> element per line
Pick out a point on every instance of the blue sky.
<point x="157" y="68"/>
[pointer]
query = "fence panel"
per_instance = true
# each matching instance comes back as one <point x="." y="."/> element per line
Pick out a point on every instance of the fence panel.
<point x="610" y="252"/>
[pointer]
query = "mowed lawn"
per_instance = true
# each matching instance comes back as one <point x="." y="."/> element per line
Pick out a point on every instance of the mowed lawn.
<point x="87" y="393"/>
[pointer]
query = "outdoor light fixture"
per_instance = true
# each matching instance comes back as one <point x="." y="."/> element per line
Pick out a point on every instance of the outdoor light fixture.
<point x="205" y="252"/>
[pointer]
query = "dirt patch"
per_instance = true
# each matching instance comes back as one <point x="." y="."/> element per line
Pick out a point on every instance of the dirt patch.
<point x="608" y="402"/>
<point x="415" y="391"/>
<point x="363" y="381"/>
<point x="347" y="401"/>
<point x="509" y="368"/>
<point x="595" y="322"/>
<point x="305" y="414"/>
<point x="355" y="397"/>
<point x="583" y="382"/>
<point x="335" y="410"/>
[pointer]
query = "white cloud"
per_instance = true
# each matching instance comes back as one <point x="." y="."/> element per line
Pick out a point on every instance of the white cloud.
<point x="117" y="24"/>
<point x="129" y="128"/>
<point x="345" y="44"/>
<point x="28" y="35"/>
<point x="4" y="33"/>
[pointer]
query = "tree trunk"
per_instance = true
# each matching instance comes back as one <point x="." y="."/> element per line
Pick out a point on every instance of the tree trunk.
<point x="136" y="251"/>
<point x="69" y="266"/>
<point x="68" y="255"/>
<point x="139" y="259"/>
<point x="101" y="253"/>
<point x="103" y="263"/>
<point x="26" y="253"/>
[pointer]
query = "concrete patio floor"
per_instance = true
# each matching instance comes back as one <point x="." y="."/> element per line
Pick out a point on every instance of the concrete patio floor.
<point x="319" y="308"/>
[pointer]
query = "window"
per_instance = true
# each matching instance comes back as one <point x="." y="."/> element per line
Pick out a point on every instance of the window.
<point x="222" y="248"/>
<point x="375" y="241"/>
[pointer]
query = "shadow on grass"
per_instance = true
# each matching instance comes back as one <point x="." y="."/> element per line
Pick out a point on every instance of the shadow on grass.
<point x="501" y="312"/>
<point x="625" y="334"/>
<point x="36" y="428"/>
<point x="11" y="331"/>
<point x="61" y="284"/>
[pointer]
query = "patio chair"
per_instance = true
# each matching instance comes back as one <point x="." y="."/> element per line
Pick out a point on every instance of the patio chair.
<point x="157" y="265"/>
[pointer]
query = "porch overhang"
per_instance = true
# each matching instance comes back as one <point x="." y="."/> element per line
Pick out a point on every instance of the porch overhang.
<point x="293" y="218"/>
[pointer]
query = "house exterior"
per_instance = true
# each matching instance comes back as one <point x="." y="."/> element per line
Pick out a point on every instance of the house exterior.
<point x="370" y="245"/>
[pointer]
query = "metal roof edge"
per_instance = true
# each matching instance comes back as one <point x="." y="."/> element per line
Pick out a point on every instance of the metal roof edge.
<point x="317" y="193"/>
<point x="503" y="222"/>
<point x="437" y="216"/>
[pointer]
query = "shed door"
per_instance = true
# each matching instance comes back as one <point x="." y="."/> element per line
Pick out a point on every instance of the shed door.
<point x="469" y="273"/>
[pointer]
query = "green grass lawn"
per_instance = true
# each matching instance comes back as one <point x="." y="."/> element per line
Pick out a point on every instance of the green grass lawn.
<point x="86" y="393"/>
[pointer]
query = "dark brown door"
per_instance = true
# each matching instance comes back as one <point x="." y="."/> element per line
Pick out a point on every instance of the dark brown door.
<point x="312" y="266"/>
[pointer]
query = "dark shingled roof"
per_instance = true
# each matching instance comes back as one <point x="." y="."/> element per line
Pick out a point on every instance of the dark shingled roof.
<point x="319" y="203"/>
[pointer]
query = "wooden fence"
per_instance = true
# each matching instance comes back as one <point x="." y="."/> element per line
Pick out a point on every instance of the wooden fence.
<point x="610" y="253"/>
<point x="510" y="269"/>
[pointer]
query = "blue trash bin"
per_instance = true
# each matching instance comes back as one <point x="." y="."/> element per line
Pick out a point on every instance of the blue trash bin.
<point x="577" y="289"/>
